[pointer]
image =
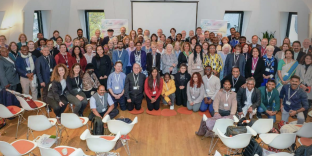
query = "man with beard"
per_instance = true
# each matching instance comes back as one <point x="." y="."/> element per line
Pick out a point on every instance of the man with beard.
<point x="121" y="55"/>
<point x="294" y="101"/>
<point x="297" y="53"/>
<point x="80" y="35"/>
<point x="235" y="79"/>
<point x="122" y="34"/>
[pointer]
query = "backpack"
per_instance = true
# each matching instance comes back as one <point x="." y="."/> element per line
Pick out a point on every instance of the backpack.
<point x="252" y="148"/>
<point x="304" y="150"/>
<point x="233" y="130"/>
<point x="97" y="126"/>
<point x="244" y="122"/>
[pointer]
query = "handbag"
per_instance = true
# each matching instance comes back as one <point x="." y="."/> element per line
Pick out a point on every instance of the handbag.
<point x="233" y="130"/>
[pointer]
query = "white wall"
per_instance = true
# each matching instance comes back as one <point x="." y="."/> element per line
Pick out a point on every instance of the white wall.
<point x="67" y="15"/>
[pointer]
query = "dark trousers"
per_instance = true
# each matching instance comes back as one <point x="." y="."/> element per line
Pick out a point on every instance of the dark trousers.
<point x="121" y="101"/>
<point x="103" y="82"/>
<point x="181" y="97"/>
<point x="136" y="102"/>
<point x="79" y="105"/>
<point x="112" y="114"/>
<point x="128" y="69"/>
<point x="155" y="105"/>
<point x="305" y="112"/>
<point x="56" y="107"/>
<point x="88" y="93"/>
<point x="44" y="93"/>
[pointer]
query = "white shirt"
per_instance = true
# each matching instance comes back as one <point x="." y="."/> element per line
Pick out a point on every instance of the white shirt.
<point x="93" y="101"/>
<point x="248" y="95"/>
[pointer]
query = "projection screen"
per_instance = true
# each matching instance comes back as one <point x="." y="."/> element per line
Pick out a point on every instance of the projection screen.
<point x="151" y="15"/>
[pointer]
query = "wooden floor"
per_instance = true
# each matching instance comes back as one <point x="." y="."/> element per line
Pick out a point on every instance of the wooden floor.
<point x="156" y="135"/>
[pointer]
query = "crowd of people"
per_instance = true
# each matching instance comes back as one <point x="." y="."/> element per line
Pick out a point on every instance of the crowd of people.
<point x="204" y="71"/>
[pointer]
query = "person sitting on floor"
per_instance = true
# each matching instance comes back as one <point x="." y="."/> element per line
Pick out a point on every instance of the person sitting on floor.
<point x="195" y="92"/>
<point x="225" y="102"/>
<point x="99" y="103"/>
<point x="168" y="91"/>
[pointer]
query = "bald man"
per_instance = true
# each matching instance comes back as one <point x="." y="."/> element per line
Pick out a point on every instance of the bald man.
<point x="306" y="46"/>
<point x="183" y="39"/>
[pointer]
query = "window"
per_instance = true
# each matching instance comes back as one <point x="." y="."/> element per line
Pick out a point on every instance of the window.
<point x="292" y="28"/>
<point x="37" y="27"/>
<point x="235" y="20"/>
<point x="93" y="21"/>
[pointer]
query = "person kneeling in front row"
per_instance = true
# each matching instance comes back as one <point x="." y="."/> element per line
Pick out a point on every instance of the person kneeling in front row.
<point x="195" y="92"/>
<point x="225" y="103"/>
<point x="102" y="104"/>
<point x="168" y="91"/>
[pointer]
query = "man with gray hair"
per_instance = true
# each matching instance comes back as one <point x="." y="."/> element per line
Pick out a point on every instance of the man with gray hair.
<point x="122" y="34"/>
<point x="306" y="46"/>
<point x="248" y="99"/>
<point x="191" y="34"/>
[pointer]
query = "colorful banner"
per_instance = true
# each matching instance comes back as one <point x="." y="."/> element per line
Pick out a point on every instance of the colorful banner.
<point x="216" y="26"/>
<point x="114" y="24"/>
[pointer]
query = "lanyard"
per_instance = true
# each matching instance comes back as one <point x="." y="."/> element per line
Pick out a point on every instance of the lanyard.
<point x="78" y="60"/>
<point x="227" y="95"/>
<point x="154" y="84"/>
<point x="268" y="97"/>
<point x="135" y="81"/>
<point x="254" y="63"/>
<point x="289" y="97"/>
<point x="269" y="62"/>
<point x="167" y="85"/>
<point x="117" y="79"/>
<point x="65" y="58"/>
<point x="77" y="82"/>
<point x="119" y="55"/>
<point x="233" y="81"/>
<point x="194" y="89"/>
<point x="103" y="102"/>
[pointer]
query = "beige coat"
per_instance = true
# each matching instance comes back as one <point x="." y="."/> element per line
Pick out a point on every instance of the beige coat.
<point x="305" y="77"/>
<point x="193" y="67"/>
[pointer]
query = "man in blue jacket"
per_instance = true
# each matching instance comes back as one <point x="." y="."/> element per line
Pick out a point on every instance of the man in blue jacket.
<point x="44" y="67"/>
<point x="121" y="55"/>
<point x="25" y="67"/>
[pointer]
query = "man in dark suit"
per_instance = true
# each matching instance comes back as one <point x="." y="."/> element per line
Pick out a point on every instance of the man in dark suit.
<point x="273" y="43"/>
<point x="110" y="33"/>
<point x="191" y="34"/>
<point x="152" y="60"/>
<point x="235" y="60"/>
<point x="306" y="46"/>
<point x="235" y="79"/>
<point x="44" y="66"/>
<point x="297" y="53"/>
<point x="232" y="36"/>
<point x="52" y="49"/>
<point x="122" y="34"/>
<point x="8" y="74"/>
<point x="254" y="42"/>
<point x="248" y="99"/>
<point x="97" y="33"/>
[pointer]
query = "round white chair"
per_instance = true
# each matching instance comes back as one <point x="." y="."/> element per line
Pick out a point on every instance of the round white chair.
<point x="12" y="111"/>
<point x="17" y="148"/>
<point x="278" y="141"/>
<point x="55" y="152"/>
<point x="40" y="123"/>
<point x="305" y="132"/>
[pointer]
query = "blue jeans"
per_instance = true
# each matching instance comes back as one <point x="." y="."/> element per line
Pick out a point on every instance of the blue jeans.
<point x="204" y="107"/>
<point x="261" y="111"/>
<point x="121" y="101"/>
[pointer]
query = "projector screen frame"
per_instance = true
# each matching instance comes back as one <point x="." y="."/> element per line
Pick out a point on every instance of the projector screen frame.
<point x="165" y="2"/>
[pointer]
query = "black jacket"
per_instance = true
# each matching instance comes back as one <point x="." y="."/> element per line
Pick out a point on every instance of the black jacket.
<point x="149" y="62"/>
<point x="178" y="81"/>
<point x="242" y="97"/>
<point x="241" y="80"/>
<point x="300" y="55"/>
<point x="259" y="71"/>
<point x="129" y="83"/>
<point x="56" y="91"/>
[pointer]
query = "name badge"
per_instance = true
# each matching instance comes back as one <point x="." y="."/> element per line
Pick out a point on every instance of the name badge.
<point x="198" y="67"/>
<point x="226" y="105"/>
<point x="14" y="69"/>
<point x="135" y="87"/>
<point x="288" y="102"/>
<point x="214" y="67"/>
<point x="27" y="68"/>
<point x="117" y="87"/>
<point x="286" y="74"/>
<point x="78" y="89"/>
<point x="267" y="69"/>
<point x="246" y="103"/>
<point x="51" y="69"/>
<point x="103" y="110"/>
<point x="233" y="89"/>
<point x="252" y="71"/>
<point x="193" y="97"/>
<point x="207" y="90"/>
<point x="154" y="92"/>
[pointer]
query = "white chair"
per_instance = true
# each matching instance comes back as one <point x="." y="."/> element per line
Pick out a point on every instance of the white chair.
<point x="73" y="121"/>
<point x="26" y="106"/>
<point x="54" y="152"/>
<point x="238" y="141"/>
<point x="17" y="148"/>
<point x="12" y="111"/>
<point x="278" y="141"/>
<point x="78" y="152"/>
<point x="222" y="125"/>
<point x="40" y="123"/>
<point x="115" y="126"/>
<point x="281" y="154"/>
<point x="305" y="131"/>
<point x="262" y="126"/>
<point x="98" y="143"/>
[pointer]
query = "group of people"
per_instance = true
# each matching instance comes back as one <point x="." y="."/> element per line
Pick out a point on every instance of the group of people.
<point x="203" y="71"/>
